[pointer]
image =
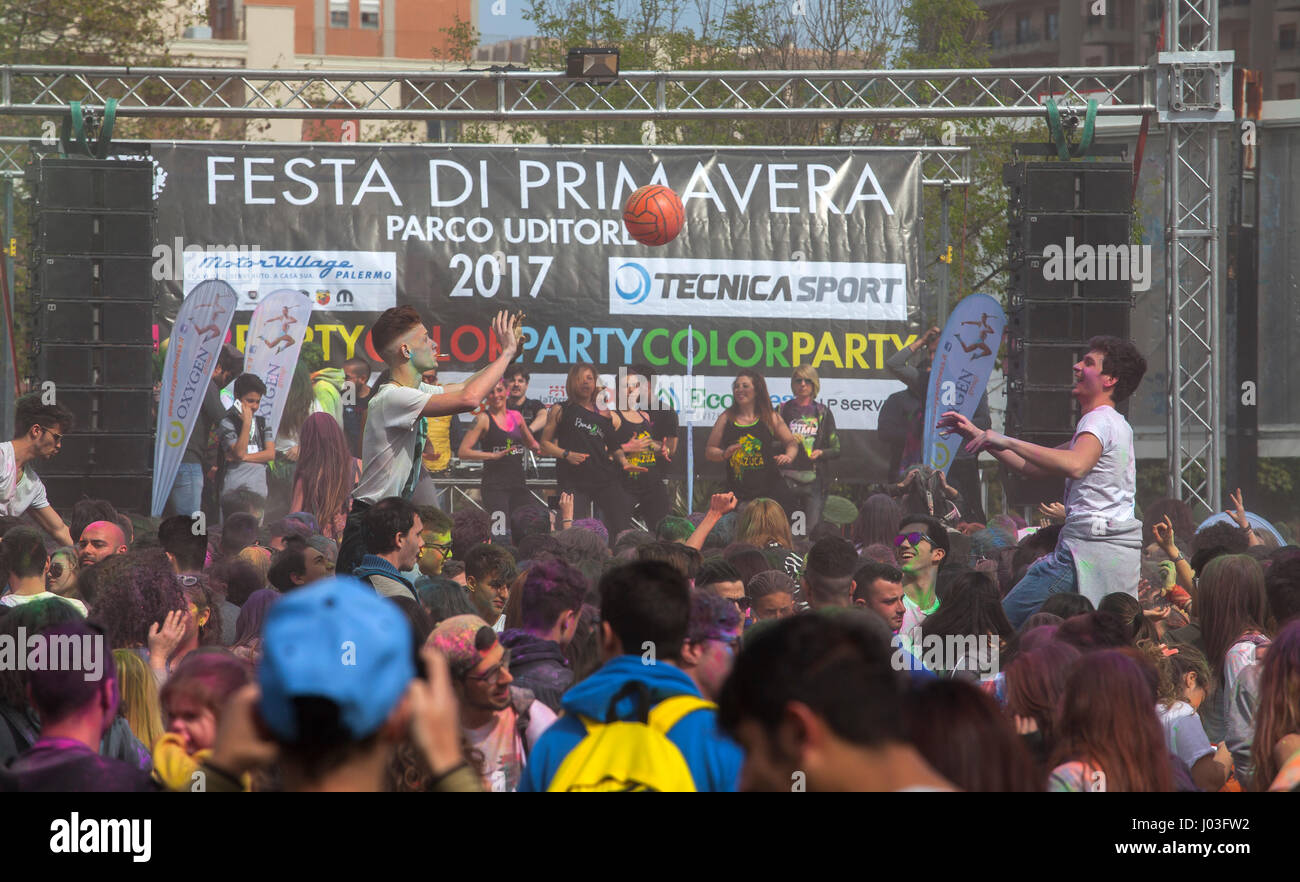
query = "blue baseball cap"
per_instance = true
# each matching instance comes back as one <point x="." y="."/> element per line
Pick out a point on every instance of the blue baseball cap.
<point x="335" y="639"/>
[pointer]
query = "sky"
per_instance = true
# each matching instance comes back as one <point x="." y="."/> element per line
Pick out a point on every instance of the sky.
<point x="495" y="28"/>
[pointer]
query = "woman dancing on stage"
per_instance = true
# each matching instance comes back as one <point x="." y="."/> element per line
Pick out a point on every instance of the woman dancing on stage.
<point x="579" y="435"/>
<point x="745" y="436"/>
<point x="642" y="454"/>
<point x="813" y="425"/>
<point x="504" y="435"/>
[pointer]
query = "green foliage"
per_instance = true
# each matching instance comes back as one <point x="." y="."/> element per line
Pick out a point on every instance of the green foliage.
<point x="732" y="36"/>
<point x="943" y="34"/>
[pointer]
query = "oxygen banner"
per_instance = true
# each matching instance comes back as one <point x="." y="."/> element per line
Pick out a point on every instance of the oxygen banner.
<point x="788" y="256"/>
<point x="275" y="336"/>
<point x="961" y="369"/>
<point x="200" y="329"/>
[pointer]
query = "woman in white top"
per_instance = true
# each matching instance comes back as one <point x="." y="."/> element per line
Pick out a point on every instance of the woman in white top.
<point x="1233" y="608"/>
<point x="1185" y="681"/>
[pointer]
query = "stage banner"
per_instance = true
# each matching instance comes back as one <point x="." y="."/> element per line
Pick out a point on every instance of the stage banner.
<point x="275" y="336"/>
<point x="962" y="364"/>
<point x="789" y="256"/>
<point x="200" y="328"/>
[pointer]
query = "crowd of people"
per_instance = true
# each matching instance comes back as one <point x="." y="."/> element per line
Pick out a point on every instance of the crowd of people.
<point x="369" y="640"/>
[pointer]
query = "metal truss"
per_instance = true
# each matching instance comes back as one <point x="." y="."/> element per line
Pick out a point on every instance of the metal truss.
<point x="1195" y="94"/>
<point x="1186" y="88"/>
<point x="543" y="96"/>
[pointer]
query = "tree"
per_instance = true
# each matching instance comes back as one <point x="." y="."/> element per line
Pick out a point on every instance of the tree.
<point x="720" y="35"/>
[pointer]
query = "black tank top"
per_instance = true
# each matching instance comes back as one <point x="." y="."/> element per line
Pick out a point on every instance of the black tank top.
<point x="509" y="470"/>
<point x="750" y="470"/>
<point x="647" y="459"/>
<point x="584" y="431"/>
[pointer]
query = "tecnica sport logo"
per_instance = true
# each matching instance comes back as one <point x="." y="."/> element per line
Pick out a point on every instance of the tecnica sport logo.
<point x="637" y="278"/>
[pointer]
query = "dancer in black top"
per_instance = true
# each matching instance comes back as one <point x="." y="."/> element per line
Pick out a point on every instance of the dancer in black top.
<point x="642" y="453"/>
<point x="747" y="437"/>
<point x="502" y="434"/>
<point x="579" y="435"/>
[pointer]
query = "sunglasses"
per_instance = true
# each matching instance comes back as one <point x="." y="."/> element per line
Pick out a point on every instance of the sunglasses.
<point x="912" y="539"/>
<point x="58" y="439"/>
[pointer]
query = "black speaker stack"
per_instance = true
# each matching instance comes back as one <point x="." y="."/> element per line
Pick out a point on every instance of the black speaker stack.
<point x="92" y="292"/>
<point x="1050" y="321"/>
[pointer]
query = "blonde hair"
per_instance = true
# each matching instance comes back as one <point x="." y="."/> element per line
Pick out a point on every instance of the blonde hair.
<point x="763" y="521"/>
<point x="806" y="372"/>
<point x="139" y="694"/>
<point x="259" y="559"/>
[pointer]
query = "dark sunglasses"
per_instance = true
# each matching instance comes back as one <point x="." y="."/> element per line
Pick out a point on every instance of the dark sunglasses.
<point x="912" y="539"/>
<point x="58" y="439"/>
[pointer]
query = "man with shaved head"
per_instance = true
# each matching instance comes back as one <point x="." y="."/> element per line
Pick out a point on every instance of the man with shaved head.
<point x="99" y="540"/>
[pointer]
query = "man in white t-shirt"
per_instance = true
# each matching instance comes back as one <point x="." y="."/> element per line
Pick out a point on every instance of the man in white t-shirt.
<point x="1099" y="551"/>
<point x="23" y="557"/>
<point x="502" y="722"/>
<point x="393" y="437"/>
<point x="38" y="433"/>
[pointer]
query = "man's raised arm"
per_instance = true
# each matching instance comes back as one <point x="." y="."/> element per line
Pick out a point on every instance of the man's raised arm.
<point x="1032" y="460"/>
<point x="466" y="396"/>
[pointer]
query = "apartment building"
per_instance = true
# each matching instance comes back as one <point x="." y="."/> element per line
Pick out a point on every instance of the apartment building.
<point x="1068" y="33"/>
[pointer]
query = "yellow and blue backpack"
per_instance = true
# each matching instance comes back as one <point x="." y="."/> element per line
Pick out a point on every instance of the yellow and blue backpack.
<point x="631" y="754"/>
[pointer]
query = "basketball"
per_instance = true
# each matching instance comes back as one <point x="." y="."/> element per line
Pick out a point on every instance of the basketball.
<point x="653" y="215"/>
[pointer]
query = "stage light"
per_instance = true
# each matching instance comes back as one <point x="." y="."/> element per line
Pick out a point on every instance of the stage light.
<point x="594" y="64"/>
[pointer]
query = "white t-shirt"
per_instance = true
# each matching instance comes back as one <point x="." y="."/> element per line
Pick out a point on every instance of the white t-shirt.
<point x="388" y="445"/>
<point x="1107" y="491"/>
<point x="1184" y="733"/>
<point x="503" y="751"/>
<point x="20" y="599"/>
<point x="913" y="618"/>
<point x="19" y="491"/>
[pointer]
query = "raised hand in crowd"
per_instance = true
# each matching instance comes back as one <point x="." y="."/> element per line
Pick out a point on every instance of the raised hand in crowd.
<point x="164" y="639"/>
<point x="1238" y="512"/>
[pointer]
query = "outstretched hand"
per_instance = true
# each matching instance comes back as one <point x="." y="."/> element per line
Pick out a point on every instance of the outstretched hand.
<point x="721" y="503"/>
<point x="1238" y="510"/>
<point x="1164" y="533"/>
<point x="1053" y="511"/>
<point x="508" y="330"/>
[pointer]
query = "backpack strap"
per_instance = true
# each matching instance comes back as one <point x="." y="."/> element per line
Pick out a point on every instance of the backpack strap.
<point x="671" y="711"/>
<point x="636" y="689"/>
<point x="660" y="717"/>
